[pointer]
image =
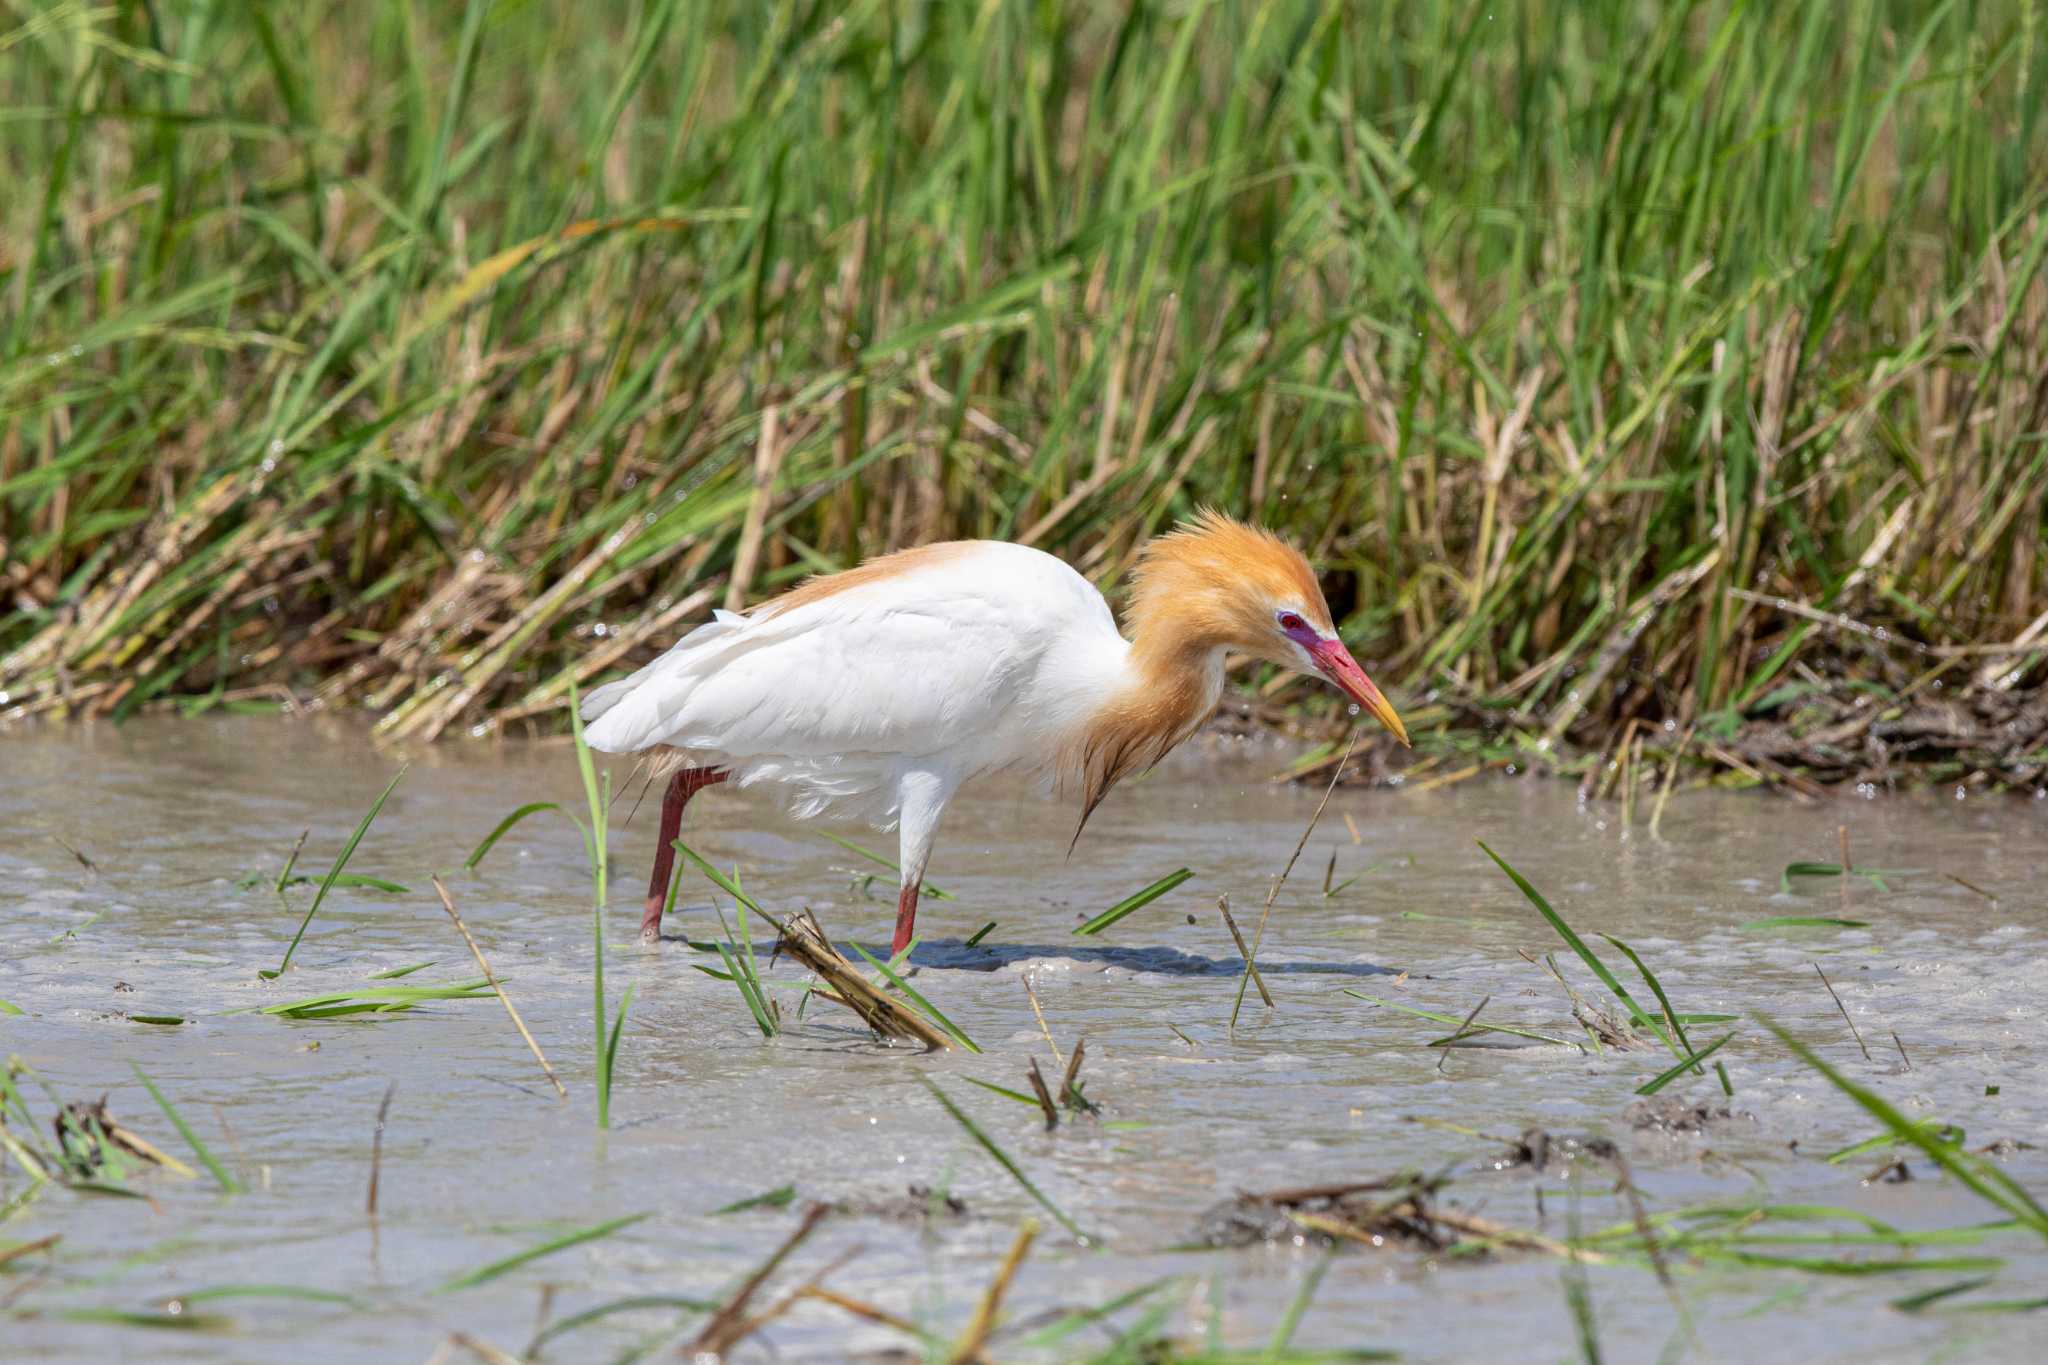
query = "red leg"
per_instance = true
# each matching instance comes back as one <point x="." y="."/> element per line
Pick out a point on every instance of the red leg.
<point x="906" y="916"/>
<point x="685" y="784"/>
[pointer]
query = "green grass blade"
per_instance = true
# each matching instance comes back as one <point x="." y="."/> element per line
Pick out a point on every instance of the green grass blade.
<point x="486" y="1273"/>
<point x="1472" y="1027"/>
<point x="723" y="882"/>
<point x="1137" y="901"/>
<point x="1004" y="1091"/>
<point x="1984" y="1180"/>
<point x="1689" y="1062"/>
<point x="1578" y="945"/>
<point x="227" y="1182"/>
<point x="755" y="1006"/>
<point x="348" y="851"/>
<point x="1000" y="1157"/>
<point x="611" y="1047"/>
<point x="490" y="840"/>
<point x="1684" y="1044"/>
<point x="778" y="1198"/>
<point x="931" y="1011"/>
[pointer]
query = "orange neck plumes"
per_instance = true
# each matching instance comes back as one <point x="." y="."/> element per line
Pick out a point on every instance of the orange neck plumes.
<point x="1195" y="593"/>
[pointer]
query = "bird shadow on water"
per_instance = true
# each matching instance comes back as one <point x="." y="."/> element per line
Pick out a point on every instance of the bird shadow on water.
<point x="957" y="955"/>
<point x="954" y="954"/>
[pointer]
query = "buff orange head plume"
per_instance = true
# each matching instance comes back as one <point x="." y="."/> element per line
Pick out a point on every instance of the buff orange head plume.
<point x="1216" y="581"/>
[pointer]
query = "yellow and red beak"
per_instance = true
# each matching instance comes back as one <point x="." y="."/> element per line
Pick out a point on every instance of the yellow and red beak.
<point x="1340" y="668"/>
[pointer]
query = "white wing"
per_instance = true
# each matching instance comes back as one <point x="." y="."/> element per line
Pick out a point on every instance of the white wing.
<point x="941" y="662"/>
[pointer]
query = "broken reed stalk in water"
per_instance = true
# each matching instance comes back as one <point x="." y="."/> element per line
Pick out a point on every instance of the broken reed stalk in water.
<point x="1259" y="934"/>
<point x="1043" y="1095"/>
<point x="1032" y="992"/>
<point x="1223" y="904"/>
<point x="845" y="986"/>
<point x="377" y="1149"/>
<point x="448" y="904"/>
<point x="1854" y="1032"/>
<point x="730" y="1325"/>
<point x="969" y="1347"/>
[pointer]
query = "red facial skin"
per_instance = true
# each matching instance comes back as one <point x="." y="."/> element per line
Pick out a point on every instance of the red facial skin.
<point x="1334" y="661"/>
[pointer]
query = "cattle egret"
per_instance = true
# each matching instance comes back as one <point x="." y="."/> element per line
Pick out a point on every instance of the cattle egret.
<point x="877" y="692"/>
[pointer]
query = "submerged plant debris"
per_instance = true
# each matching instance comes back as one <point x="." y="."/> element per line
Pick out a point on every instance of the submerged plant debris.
<point x="1399" y="1210"/>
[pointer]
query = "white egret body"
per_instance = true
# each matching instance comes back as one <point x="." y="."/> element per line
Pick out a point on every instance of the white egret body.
<point x="880" y="691"/>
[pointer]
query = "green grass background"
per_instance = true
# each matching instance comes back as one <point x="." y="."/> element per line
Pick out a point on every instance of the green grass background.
<point x="426" y="357"/>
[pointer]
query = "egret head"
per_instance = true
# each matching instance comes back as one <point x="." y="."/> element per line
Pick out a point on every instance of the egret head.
<point x="1215" y="582"/>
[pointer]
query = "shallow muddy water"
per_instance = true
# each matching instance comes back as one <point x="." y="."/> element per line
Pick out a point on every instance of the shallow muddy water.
<point x="481" y="1161"/>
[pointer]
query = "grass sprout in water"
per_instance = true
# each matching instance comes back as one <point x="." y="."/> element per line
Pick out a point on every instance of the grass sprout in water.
<point x="595" y="847"/>
<point x="1136" y="901"/>
<point x="333" y="873"/>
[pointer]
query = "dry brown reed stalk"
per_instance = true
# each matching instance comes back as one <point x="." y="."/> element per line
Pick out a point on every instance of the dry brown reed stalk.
<point x="1043" y="1095"/>
<point x="1666" y="507"/>
<point x="16" y="1253"/>
<point x="377" y="1150"/>
<point x="973" y="1340"/>
<point x="1068" y="1094"/>
<point x="845" y="986"/>
<point x="1032" y="992"/>
<point x="1464" y="1031"/>
<point x="1854" y="1032"/>
<point x="768" y="452"/>
<point x="1223" y="906"/>
<point x="729" y="1325"/>
<point x="448" y="904"/>
<point x="881" y="1317"/>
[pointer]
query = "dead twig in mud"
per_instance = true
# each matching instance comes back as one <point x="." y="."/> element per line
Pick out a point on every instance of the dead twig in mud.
<point x="30" y="1248"/>
<point x="845" y="986"/>
<point x="728" y="1326"/>
<point x="1485" y="1229"/>
<point x="1037" y="1079"/>
<point x="1670" y="780"/>
<point x="1223" y="905"/>
<point x="1853" y="1031"/>
<point x="1971" y="886"/>
<point x="448" y="904"/>
<point x="1465" y="1030"/>
<point x="291" y="861"/>
<point x="881" y="1317"/>
<point x="86" y="1134"/>
<point x="790" y="1300"/>
<point x="1602" y="1027"/>
<point x="377" y="1149"/>
<point x="969" y="1347"/>
<point x="1070" y="1091"/>
<point x="92" y="869"/>
<point x="1624" y="1179"/>
<point x="1259" y="934"/>
<point x="1402" y="1210"/>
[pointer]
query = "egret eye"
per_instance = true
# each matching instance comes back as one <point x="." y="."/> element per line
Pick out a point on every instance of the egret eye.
<point x="1290" y="622"/>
